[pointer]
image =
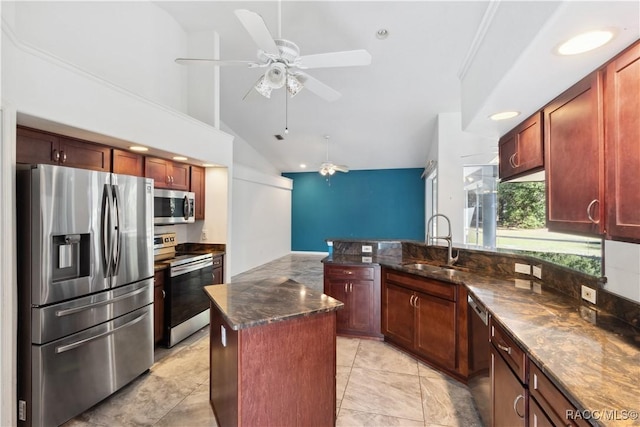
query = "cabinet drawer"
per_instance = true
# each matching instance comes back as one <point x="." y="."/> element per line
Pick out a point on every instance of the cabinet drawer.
<point x="217" y="261"/>
<point x="512" y="353"/>
<point x="423" y="284"/>
<point x="349" y="272"/>
<point x="551" y="400"/>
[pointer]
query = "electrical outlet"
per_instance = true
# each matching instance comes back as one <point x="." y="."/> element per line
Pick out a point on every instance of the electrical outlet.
<point x="588" y="314"/>
<point x="523" y="268"/>
<point x="588" y="294"/>
<point x="204" y="235"/>
<point x="367" y="249"/>
<point x="367" y="259"/>
<point x="537" y="271"/>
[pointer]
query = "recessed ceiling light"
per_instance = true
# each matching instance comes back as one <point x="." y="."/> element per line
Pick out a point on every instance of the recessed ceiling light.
<point x="180" y="158"/>
<point x="303" y="166"/>
<point x="585" y="42"/>
<point x="504" y="115"/>
<point x="209" y="165"/>
<point x="138" y="148"/>
<point x="382" y="33"/>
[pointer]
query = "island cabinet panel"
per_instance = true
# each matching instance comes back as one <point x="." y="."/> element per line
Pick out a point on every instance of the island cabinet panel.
<point x="574" y="159"/>
<point x="277" y="374"/>
<point x="622" y="130"/>
<point x="521" y="149"/>
<point x="167" y="174"/>
<point x="358" y="287"/>
<point x="127" y="163"/>
<point x="421" y="315"/>
<point x="197" y="186"/>
<point x="34" y="146"/>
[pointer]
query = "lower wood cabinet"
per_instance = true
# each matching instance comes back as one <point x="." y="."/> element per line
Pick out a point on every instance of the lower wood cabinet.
<point x="158" y="306"/>
<point x="420" y="315"/>
<point x="509" y="400"/>
<point x="218" y="270"/>
<point x="358" y="287"/>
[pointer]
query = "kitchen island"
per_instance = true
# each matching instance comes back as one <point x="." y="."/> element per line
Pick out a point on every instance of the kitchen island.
<point x="272" y="354"/>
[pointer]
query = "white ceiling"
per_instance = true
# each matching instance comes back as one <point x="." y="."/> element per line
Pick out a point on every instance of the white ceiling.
<point x="474" y="57"/>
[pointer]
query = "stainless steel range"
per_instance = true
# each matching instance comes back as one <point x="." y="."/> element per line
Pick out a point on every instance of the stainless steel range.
<point x="186" y="305"/>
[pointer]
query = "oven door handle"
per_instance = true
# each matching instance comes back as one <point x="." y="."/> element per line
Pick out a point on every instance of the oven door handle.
<point x="184" y="269"/>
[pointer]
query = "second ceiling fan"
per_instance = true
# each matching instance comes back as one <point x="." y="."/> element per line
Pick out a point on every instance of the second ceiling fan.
<point x="283" y="62"/>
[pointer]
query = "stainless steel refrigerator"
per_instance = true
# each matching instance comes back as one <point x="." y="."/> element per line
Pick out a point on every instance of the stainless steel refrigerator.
<point x="85" y="288"/>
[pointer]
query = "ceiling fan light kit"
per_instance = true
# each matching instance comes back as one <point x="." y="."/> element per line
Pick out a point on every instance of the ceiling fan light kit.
<point x="283" y="61"/>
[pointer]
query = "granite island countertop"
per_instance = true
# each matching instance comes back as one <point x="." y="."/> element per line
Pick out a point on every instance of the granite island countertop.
<point x="596" y="365"/>
<point x="259" y="302"/>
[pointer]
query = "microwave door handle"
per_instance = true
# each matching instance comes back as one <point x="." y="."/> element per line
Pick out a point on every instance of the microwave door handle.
<point x="105" y="227"/>
<point x="185" y="208"/>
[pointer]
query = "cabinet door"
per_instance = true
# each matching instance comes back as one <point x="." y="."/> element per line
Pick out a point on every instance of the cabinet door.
<point x="36" y="147"/>
<point x="537" y="417"/>
<point x="197" y="186"/>
<point x="436" y="330"/>
<point x="158" y="306"/>
<point x="158" y="169"/>
<point x="398" y="317"/>
<point x="85" y="155"/>
<point x="521" y="150"/>
<point x="361" y="304"/>
<point x="217" y="276"/>
<point x="338" y="289"/>
<point x="574" y="160"/>
<point x="180" y="176"/>
<point x="127" y="163"/>
<point x="509" y="400"/>
<point x="507" y="149"/>
<point x="622" y="115"/>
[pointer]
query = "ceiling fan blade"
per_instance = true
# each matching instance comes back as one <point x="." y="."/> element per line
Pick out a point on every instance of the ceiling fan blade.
<point x="347" y="58"/>
<point x="341" y="168"/>
<point x="317" y="87"/>
<point x="204" y="61"/>
<point x="257" y="29"/>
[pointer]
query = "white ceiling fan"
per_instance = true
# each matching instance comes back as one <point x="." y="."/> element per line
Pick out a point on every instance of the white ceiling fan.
<point x="283" y="62"/>
<point x="328" y="167"/>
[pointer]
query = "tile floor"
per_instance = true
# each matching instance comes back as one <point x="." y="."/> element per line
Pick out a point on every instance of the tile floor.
<point x="376" y="384"/>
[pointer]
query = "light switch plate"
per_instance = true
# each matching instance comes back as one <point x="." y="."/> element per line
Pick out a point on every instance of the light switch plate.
<point x="523" y="268"/>
<point x="537" y="271"/>
<point x="588" y="294"/>
<point x="367" y="259"/>
<point x="367" y="249"/>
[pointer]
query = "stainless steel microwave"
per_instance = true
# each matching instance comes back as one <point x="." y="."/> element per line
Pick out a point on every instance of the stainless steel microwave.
<point x="173" y="207"/>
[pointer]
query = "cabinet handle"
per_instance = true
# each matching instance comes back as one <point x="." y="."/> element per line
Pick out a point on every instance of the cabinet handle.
<point x="171" y="179"/>
<point x="56" y="156"/>
<point x="345" y="287"/>
<point x="168" y="179"/>
<point x="504" y="348"/>
<point x="348" y="272"/>
<point x="411" y="300"/>
<point x="593" y="202"/>
<point x="164" y="294"/>
<point x="64" y="156"/>
<point x="416" y="302"/>
<point x="512" y="160"/>
<point x="515" y="405"/>
<point x="350" y="287"/>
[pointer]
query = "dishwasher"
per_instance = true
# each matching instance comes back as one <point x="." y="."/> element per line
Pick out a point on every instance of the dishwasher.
<point x="479" y="381"/>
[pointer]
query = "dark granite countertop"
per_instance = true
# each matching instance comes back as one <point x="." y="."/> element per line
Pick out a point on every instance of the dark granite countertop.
<point x="596" y="365"/>
<point x="254" y="303"/>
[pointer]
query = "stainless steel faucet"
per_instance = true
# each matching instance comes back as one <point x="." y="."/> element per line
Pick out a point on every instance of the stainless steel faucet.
<point x="450" y="258"/>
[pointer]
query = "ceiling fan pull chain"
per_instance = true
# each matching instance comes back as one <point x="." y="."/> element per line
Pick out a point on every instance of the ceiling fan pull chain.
<point x="286" y="114"/>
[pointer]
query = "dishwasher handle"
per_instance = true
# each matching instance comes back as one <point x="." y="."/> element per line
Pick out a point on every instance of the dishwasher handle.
<point x="480" y="311"/>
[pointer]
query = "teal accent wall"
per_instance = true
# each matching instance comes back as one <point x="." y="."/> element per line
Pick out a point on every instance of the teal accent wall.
<point x="362" y="204"/>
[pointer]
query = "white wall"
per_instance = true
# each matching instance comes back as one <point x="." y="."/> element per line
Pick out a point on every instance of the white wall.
<point x="622" y="269"/>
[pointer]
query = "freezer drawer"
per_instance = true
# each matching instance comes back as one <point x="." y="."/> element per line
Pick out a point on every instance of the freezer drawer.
<point x="66" y="318"/>
<point x="74" y="373"/>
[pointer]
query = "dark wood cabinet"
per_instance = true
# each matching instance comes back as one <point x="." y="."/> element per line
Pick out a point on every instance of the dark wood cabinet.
<point x="218" y="270"/>
<point x="509" y="400"/>
<point x="420" y="315"/>
<point x="33" y="146"/>
<point x="574" y="159"/>
<point x="358" y="287"/>
<point x="158" y="306"/>
<point x="197" y="186"/>
<point x="127" y="163"/>
<point x="167" y="174"/>
<point x="622" y="130"/>
<point x="521" y="149"/>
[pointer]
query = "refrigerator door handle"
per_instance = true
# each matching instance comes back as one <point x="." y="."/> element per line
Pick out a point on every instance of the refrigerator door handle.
<point x="105" y="229"/>
<point x="116" y="229"/>
<point x="68" y="311"/>
<point x="67" y="347"/>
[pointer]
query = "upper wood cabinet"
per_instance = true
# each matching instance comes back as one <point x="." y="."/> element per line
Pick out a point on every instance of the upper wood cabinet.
<point x="622" y="139"/>
<point x="128" y="163"/>
<point x="574" y="159"/>
<point x="521" y="149"/>
<point x="197" y="186"/>
<point x="167" y="174"/>
<point x="34" y="146"/>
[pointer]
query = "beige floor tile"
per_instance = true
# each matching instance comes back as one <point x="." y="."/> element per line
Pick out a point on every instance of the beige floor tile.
<point x="382" y="357"/>
<point x="350" y="418"/>
<point x="346" y="349"/>
<point x="342" y="377"/>
<point x="383" y="393"/>
<point x="446" y="402"/>
<point x="194" y="411"/>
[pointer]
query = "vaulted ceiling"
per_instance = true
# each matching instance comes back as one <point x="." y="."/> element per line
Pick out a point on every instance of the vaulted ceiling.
<point x="472" y="57"/>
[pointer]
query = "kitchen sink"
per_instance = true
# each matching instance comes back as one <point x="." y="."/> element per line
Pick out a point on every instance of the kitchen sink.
<point x="426" y="266"/>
